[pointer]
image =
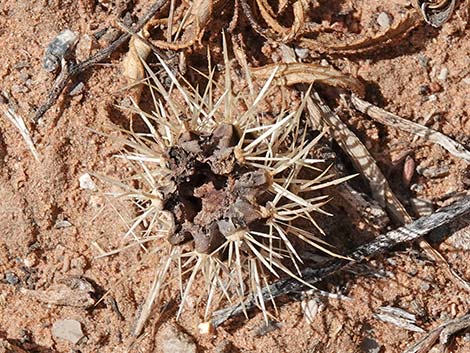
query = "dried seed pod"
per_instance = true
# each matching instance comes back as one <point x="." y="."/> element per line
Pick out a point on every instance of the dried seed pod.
<point x="58" y="49"/>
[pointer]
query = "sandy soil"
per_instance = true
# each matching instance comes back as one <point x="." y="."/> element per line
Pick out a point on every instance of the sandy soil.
<point x="36" y="251"/>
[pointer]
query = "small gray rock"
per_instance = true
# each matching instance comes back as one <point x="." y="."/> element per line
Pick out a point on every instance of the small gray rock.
<point x="176" y="341"/>
<point x="369" y="345"/>
<point x="79" y="87"/>
<point x="11" y="278"/>
<point x="433" y="172"/>
<point x="384" y="20"/>
<point x="225" y="347"/>
<point x="58" y="49"/>
<point x="68" y="330"/>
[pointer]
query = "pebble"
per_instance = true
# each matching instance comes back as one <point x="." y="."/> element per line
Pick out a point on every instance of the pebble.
<point x="435" y="87"/>
<point x="417" y="188"/>
<point x="311" y="308"/>
<point x="62" y="224"/>
<point x="425" y="286"/>
<point x="424" y="90"/>
<point x="302" y="53"/>
<point x="68" y="330"/>
<point x="384" y="20"/>
<point x="176" y="341"/>
<point x="370" y="345"/>
<point x="443" y="74"/>
<point x="267" y="328"/>
<point x="87" y="183"/>
<point x="432" y="98"/>
<point x="58" y="49"/>
<point x="225" y="347"/>
<point x="77" y="89"/>
<point x="11" y="278"/>
<point x="423" y="61"/>
<point x="433" y="172"/>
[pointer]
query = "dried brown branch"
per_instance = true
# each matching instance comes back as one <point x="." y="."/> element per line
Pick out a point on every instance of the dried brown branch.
<point x="76" y="69"/>
<point x="394" y="121"/>
<point x="324" y="117"/>
<point x="294" y="73"/>
<point x="278" y="31"/>
<point x="396" y="31"/>
<point x="408" y="233"/>
<point x="442" y="332"/>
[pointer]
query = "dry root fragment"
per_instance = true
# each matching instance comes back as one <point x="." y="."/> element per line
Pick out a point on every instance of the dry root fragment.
<point x="395" y="121"/>
<point x="364" y="162"/>
<point x="294" y="73"/>
<point x="278" y="31"/>
<point x="397" y="30"/>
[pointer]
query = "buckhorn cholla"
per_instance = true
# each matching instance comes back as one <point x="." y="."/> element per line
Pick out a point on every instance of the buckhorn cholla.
<point x="226" y="195"/>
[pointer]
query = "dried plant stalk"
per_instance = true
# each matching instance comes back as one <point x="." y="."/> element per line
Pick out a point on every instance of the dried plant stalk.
<point x="397" y="30"/>
<point x="355" y="149"/>
<point x="395" y="121"/>
<point x="278" y="31"/>
<point x="294" y="73"/>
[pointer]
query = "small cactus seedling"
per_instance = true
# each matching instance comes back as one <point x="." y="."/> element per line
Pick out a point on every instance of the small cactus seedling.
<point x="227" y="194"/>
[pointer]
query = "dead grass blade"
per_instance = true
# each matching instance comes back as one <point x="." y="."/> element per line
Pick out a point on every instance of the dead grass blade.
<point x="408" y="233"/>
<point x="323" y="116"/>
<point x="18" y="122"/>
<point x="394" y="121"/>
<point x="294" y="73"/>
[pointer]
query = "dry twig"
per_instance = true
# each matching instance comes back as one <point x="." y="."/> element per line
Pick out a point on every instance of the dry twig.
<point x="442" y="332"/>
<point x="76" y="69"/>
<point x="411" y="20"/>
<point x="392" y="120"/>
<point x="293" y="73"/>
<point x="323" y="116"/>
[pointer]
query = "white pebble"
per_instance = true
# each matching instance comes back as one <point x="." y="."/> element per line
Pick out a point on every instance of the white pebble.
<point x="302" y="53"/>
<point x="384" y="20"/>
<point x="86" y="182"/>
<point x="69" y="330"/>
<point x="311" y="307"/>
<point x="443" y="74"/>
